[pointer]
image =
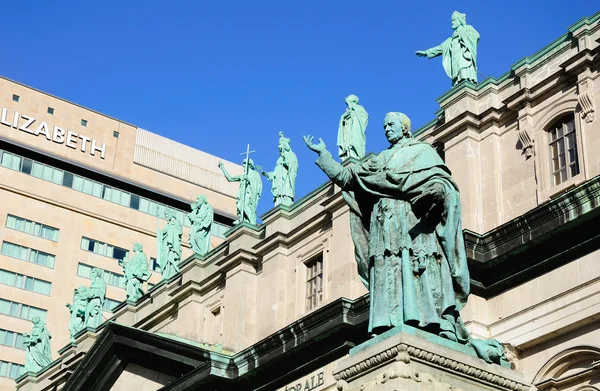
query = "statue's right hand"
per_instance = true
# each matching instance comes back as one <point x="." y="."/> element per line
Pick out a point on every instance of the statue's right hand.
<point x="318" y="148"/>
<point x="421" y="53"/>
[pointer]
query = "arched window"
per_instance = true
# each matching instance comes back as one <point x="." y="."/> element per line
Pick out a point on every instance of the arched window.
<point x="563" y="149"/>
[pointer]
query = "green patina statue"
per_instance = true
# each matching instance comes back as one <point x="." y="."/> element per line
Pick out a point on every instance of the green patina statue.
<point x="352" y="138"/>
<point x="88" y="304"/>
<point x="406" y="228"/>
<point x="248" y="193"/>
<point x="201" y="217"/>
<point x="284" y="175"/>
<point x="95" y="295"/>
<point x="459" y="52"/>
<point x="77" y="310"/>
<point x="136" y="273"/>
<point x="169" y="246"/>
<point x="37" y="345"/>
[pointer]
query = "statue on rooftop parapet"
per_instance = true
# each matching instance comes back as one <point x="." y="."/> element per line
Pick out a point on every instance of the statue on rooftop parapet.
<point x="352" y="138"/>
<point x="169" y="246"/>
<point x="136" y="273"/>
<point x="77" y="311"/>
<point x="248" y="193"/>
<point x="459" y="52"/>
<point x="407" y="232"/>
<point x="201" y="217"/>
<point x="284" y="175"/>
<point x="37" y="345"/>
<point x="95" y="295"/>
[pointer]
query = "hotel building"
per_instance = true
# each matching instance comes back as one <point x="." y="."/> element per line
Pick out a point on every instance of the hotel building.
<point x="77" y="190"/>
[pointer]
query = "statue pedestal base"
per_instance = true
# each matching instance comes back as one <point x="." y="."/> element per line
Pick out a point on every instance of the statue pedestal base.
<point x="408" y="359"/>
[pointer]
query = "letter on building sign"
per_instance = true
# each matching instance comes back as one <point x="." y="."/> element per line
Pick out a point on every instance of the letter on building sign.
<point x="28" y="121"/>
<point x="84" y="141"/>
<point x="71" y="140"/>
<point x="59" y="135"/>
<point x="3" y="117"/>
<point x="95" y="148"/>
<point x="15" y="123"/>
<point x="43" y="128"/>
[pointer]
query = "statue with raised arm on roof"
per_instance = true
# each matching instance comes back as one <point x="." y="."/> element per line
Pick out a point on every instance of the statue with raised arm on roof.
<point x="248" y="193"/>
<point x="459" y="52"/>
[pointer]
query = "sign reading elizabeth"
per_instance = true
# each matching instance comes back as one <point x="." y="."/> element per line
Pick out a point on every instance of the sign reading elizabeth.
<point x="54" y="133"/>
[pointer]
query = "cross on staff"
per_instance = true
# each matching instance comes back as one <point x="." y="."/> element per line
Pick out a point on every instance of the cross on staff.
<point x="246" y="168"/>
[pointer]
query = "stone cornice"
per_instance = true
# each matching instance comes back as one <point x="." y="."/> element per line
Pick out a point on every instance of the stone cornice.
<point x="403" y="348"/>
<point x="531" y="238"/>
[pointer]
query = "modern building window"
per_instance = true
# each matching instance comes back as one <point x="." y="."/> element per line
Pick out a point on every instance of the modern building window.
<point x="101" y="248"/>
<point x="314" y="283"/>
<point x="115" y="134"/>
<point x="11" y="369"/>
<point x="19" y="310"/>
<point x="51" y="110"/>
<point x="32" y="227"/>
<point x="60" y="177"/>
<point x="83" y="122"/>
<point x="27" y="254"/>
<point x="12" y="339"/>
<point x="110" y="304"/>
<point x="563" y="149"/>
<point x="111" y="278"/>
<point x="154" y="265"/>
<point x="15" y="98"/>
<point x="22" y="281"/>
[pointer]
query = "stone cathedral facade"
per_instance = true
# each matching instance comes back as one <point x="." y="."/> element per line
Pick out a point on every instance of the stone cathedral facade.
<point x="277" y="306"/>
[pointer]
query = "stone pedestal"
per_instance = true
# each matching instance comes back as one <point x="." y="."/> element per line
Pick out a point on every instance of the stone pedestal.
<point x="405" y="358"/>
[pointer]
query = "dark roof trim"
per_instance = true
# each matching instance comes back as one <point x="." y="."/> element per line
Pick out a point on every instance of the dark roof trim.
<point x="551" y="235"/>
<point x="318" y="338"/>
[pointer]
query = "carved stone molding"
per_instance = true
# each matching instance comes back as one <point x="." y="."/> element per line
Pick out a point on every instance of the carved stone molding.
<point x="586" y="101"/>
<point x="401" y="370"/>
<point x="526" y="141"/>
<point x="399" y="376"/>
<point x="512" y="355"/>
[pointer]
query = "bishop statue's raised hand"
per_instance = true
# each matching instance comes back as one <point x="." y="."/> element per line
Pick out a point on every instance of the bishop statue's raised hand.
<point x="318" y="148"/>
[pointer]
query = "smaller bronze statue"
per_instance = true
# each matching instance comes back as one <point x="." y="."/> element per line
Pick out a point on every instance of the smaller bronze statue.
<point x="459" y="52"/>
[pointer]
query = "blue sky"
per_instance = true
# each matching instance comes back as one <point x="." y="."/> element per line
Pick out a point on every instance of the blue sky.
<point x="218" y="75"/>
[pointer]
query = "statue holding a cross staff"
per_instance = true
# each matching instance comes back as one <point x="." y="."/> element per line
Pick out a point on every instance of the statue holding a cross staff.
<point x="250" y="189"/>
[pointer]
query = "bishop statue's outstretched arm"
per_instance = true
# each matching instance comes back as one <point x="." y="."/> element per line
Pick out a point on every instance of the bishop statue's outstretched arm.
<point x="340" y="175"/>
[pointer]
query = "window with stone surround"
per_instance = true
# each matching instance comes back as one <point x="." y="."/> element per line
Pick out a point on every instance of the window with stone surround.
<point x="314" y="282"/>
<point x="217" y="323"/>
<point x="564" y="163"/>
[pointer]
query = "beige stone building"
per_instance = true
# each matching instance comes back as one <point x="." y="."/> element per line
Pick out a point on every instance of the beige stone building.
<point x="277" y="306"/>
<point x="78" y="188"/>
